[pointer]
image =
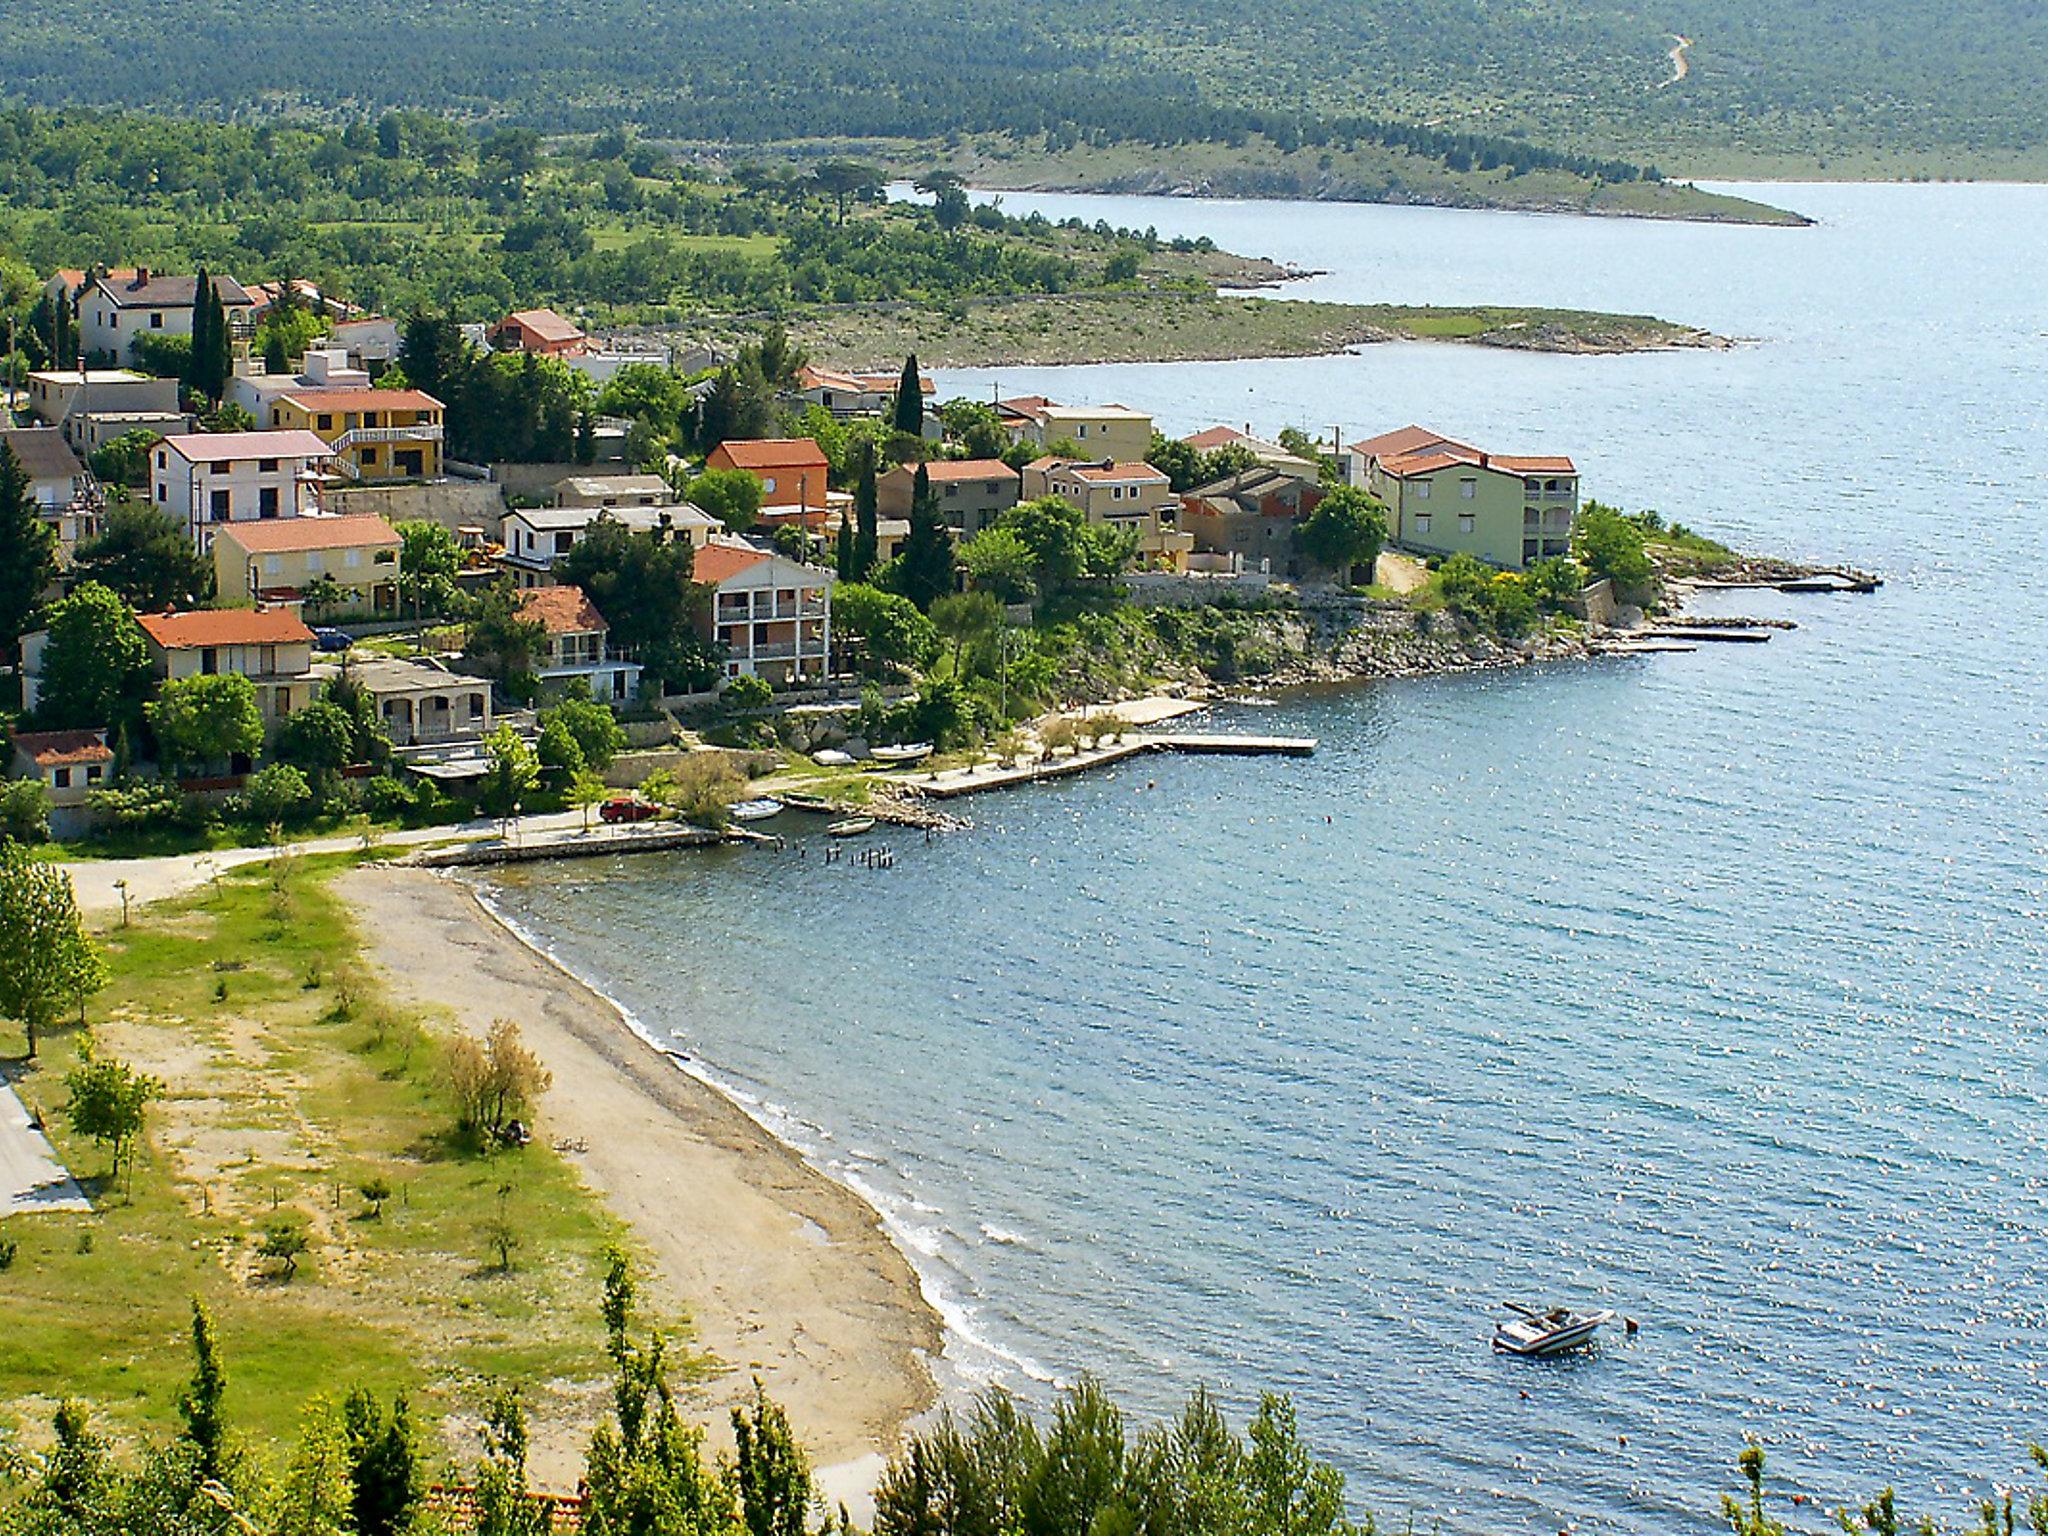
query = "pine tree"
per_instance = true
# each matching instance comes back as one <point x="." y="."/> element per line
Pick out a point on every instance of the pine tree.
<point x="867" y="536"/>
<point x="909" y="418"/>
<point x="844" y="561"/>
<point x="28" y="551"/>
<point x="924" y="567"/>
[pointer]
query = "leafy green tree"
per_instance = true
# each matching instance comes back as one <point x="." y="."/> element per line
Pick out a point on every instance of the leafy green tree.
<point x="561" y="759"/>
<point x="48" y="961"/>
<point x="731" y="495"/>
<point x="586" y="792"/>
<point x="28" y="551"/>
<point x="866" y="519"/>
<point x="1178" y="460"/>
<point x="1609" y="545"/>
<point x="384" y="1473"/>
<point x="908" y="414"/>
<point x="1001" y="564"/>
<point x="125" y="461"/>
<point x="1347" y="529"/>
<point x="842" y="552"/>
<point x="966" y="619"/>
<point x="319" y="738"/>
<point x="923" y="568"/>
<point x="278" y="794"/>
<point x="311" y="1498"/>
<point x="145" y="557"/>
<point x="846" y="182"/>
<point x="1056" y="533"/>
<point x="502" y="642"/>
<point x="643" y="584"/>
<point x="884" y="629"/>
<point x="108" y="1099"/>
<point x="284" y="1242"/>
<point x="429" y="559"/>
<point x="203" y="720"/>
<point x="590" y="725"/>
<point x="95" y="664"/>
<point x="514" y="771"/>
<point x="770" y="1468"/>
<point x="1557" y="582"/>
<point x="24" y="811"/>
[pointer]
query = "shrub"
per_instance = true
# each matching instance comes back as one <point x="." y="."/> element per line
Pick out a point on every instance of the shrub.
<point x="277" y="794"/>
<point x="700" y="789"/>
<point x="747" y="693"/>
<point x="283" y="1242"/>
<point x="385" y="797"/>
<point x="24" y="811"/>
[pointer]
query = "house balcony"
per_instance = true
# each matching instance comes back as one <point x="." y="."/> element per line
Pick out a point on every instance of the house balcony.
<point x="419" y="432"/>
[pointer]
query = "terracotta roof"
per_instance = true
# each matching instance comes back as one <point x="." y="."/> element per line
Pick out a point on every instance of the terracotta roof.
<point x="54" y="749"/>
<point x="809" y="377"/>
<point x="1406" y="440"/>
<point x="1104" y="474"/>
<point x="1023" y="405"/>
<point x="205" y="447"/>
<point x="717" y="563"/>
<point x="772" y="452"/>
<point x="545" y="324"/>
<point x="1046" y="461"/>
<point x="1401" y="466"/>
<point x="562" y="610"/>
<point x="274" y="536"/>
<point x="1535" y="464"/>
<point x="43" y="453"/>
<point x="939" y="471"/>
<point x="364" y="400"/>
<point x="1428" y="462"/>
<point x="224" y="626"/>
<point x="1215" y="437"/>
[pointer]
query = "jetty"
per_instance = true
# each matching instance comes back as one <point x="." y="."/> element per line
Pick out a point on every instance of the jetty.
<point x="598" y="842"/>
<point x="980" y="778"/>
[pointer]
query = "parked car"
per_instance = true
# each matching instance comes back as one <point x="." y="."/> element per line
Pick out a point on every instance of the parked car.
<point x="625" y="809"/>
<point x="331" y="640"/>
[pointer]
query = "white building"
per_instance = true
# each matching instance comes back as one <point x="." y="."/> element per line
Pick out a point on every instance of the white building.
<point x="536" y="537"/>
<point x="773" y="616"/>
<point x="323" y="368"/>
<point x="63" y="490"/>
<point x="577" y="646"/>
<point x="116" y="310"/>
<point x="206" y="478"/>
<point x="92" y="407"/>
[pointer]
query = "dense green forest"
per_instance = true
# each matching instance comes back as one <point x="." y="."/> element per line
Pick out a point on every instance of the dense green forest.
<point x="1887" y="83"/>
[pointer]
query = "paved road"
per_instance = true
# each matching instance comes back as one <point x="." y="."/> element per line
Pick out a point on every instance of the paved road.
<point x="31" y="1178"/>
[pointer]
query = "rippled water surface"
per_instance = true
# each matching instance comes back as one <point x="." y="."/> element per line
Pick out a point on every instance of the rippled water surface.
<point x="1710" y="985"/>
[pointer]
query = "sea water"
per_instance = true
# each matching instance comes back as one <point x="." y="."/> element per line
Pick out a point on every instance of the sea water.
<point x="1708" y="987"/>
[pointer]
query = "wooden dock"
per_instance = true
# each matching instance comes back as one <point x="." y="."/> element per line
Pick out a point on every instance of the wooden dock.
<point x="1237" y="746"/>
<point x="599" y="842"/>
<point x="983" y="778"/>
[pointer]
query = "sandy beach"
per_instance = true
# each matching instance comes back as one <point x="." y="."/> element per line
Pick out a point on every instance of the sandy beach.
<point x="786" y="1275"/>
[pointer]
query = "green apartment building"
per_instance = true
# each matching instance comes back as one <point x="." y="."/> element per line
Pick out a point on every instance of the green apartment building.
<point x="1445" y="497"/>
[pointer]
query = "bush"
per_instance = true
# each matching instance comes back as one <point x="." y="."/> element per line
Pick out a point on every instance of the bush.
<point x="742" y="693"/>
<point x="146" y="804"/>
<point x="24" y="811"/>
<point x="277" y="794"/>
<point x="700" y="789"/>
<point x="1611" y="545"/>
<point x="385" y="797"/>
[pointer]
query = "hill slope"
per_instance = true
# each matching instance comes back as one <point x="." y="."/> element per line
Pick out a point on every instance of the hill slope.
<point x="1885" y="86"/>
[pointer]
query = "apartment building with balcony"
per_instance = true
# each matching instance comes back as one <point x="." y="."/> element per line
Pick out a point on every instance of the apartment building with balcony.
<point x="772" y="616"/>
<point x="1444" y="497"/>
<point x="270" y="646"/>
<point x="205" y="479"/>
<point x="1129" y="494"/>
<point x="578" y="646"/>
<point x="376" y="434"/>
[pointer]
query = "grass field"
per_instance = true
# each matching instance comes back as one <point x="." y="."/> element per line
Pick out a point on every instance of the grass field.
<point x="290" y="1083"/>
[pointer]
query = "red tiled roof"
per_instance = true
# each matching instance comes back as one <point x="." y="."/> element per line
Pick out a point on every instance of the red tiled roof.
<point x="1401" y="466"/>
<point x="717" y="563"/>
<point x="1406" y="440"/>
<point x="1106" y="473"/>
<point x="772" y="453"/>
<point x="1535" y="464"/>
<point x="1023" y="405"/>
<point x="55" y="749"/>
<point x="364" y="400"/>
<point x="224" y="626"/>
<point x="809" y="377"/>
<point x="203" y="447"/>
<point x="1214" y="437"/>
<point x="274" y="536"/>
<point x="562" y="610"/>
<point x="939" y="471"/>
<point x="545" y="325"/>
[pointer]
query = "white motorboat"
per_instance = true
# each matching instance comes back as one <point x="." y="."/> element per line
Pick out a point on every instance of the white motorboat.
<point x="912" y="752"/>
<point x="832" y="757"/>
<point x="852" y="826"/>
<point x="756" y="810"/>
<point x="1552" y="1332"/>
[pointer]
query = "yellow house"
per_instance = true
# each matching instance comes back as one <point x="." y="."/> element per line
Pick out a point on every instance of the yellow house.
<point x="281" y="561"/>
<point x="376" y="434"/>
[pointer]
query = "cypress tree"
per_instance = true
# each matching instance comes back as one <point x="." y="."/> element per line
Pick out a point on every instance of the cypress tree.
<point x="220" y="356"/>
<point x="924" y="567"/>
<point x="198" y="367"/>
<point x="28" y="551"/>
<point x="845" y="550"/>
<point x="909" y="418"/>
<point x="867" y="538"/>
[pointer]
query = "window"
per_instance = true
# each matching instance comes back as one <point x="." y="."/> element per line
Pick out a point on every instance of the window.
<point x="1464" y="522"/>
<point x="1422" y="490"/>
<point x="476" y="706"/>
<point x="564" y="542"/>
<point x="369" y="455"/>
<point x="767" y="485"/>
<point x="273" y="565"/>
<point x="209" y="661"/>
<point x="93" y="774"/>
<point x="1422" y="522"/>
<point x="221" y="506"/>
<point x="386" y="557"/>
<point x="163" y="493"/>
<point x="323" y="422"/>
<point x="163" y="461"/>
<point x="266" y="466"/>
<point x="351" y="557"/>
<point x="156" y="320"/>
<point x="220" y="466"/>
<point x="1529" y="550"/>
<point x="1468" y="488"/>
<point x="61" y="778"/>
<point x="266" y="501"/>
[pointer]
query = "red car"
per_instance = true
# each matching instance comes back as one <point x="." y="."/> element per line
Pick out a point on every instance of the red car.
<point x="624" y="810"/>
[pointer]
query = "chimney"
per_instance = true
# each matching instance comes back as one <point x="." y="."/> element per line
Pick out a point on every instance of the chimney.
<point x="141" y="278"/>
<point x="1483" y="461"/>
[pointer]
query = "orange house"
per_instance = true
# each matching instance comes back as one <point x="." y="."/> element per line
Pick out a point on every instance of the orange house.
<point x="539" y="330"/>
<point x="792" y="470"/>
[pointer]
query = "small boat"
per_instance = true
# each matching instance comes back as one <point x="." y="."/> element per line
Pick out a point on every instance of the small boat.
<point x="913" y="752"/>
<point x="817" y="805"/>
<point x="1546" y="1333"/>
<point x="832" y="757"/>
<point x="756" y="810"/>
<point x="851" y="826"/>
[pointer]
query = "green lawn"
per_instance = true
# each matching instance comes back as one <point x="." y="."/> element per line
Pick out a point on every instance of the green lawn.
<point x="290" y="1083"/>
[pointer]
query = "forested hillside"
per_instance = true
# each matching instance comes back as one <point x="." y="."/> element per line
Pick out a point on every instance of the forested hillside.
<point x="1889" y="86"/>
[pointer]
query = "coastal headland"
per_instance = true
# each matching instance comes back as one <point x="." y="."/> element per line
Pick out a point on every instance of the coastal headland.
<point x="787" y="1276"/>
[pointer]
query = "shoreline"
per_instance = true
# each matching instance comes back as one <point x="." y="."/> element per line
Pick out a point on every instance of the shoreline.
<point x="784" y="1272"/>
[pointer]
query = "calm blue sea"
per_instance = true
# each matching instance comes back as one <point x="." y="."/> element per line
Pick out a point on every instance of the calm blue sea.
<point x="1711" y="987"/>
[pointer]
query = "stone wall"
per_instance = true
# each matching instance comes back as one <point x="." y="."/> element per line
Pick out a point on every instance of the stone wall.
<point x="451" y="503"/>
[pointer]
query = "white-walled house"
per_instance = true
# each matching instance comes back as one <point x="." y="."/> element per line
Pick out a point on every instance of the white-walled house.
<point x="206" y="478"/>
<point x="116" y="310"/>
<point x="578" y="645"/>
<point x="536" y="537"/>
<point x="773" y="616"/>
